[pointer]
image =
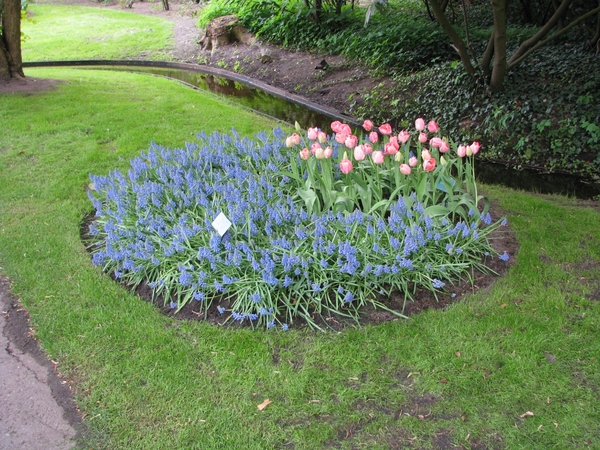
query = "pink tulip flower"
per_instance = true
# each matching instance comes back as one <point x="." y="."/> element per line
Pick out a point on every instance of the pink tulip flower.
<point x="422" y="138"/>
<point x="385" y="129"/>
<point x="351" y="141"/>
<point x="292" y="140"/>
<point x="429" y="164"/>
<point x="304" y="154"/>
<point x="335" y="126"/>
<point x="314" y="147"/>
<point x="373" y="136"/>
<point x="435" y="142"/>
<point x="368" y="148"/>
<point x="403" y="136"/>
<point x="425" y="155"/>
<point x="322" y="137"/>
<point x="328" y="152"/>
<point x="340" y="138"/>
<point x="413" y="161"/>
<point x="378" y="157"/>
<point x="445" y="146"/>
<point x="359" y="153"/>
<point x="346" y="165"/>
<point x="420" y="124"/>
<point x="405" y="169"/>
<point x="390" y="148"/>
<point x="368" y="125"/>
<point x="433" y="127"/>
<point x="313" y="133"/>
<point x="475" y="146"/>
<point x="461" y="151"/>
<point x="345" y="129"/>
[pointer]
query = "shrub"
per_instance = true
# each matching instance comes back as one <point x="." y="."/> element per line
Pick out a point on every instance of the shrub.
<point x="301" y="241"/>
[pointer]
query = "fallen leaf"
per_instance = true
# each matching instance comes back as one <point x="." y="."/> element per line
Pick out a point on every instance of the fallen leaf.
<point x="457" y="353"/>
<point x="443" y="380"/>
<point x="264" y="404"/>
<point x="527" y="414"/>
<point x="503" y="305"/>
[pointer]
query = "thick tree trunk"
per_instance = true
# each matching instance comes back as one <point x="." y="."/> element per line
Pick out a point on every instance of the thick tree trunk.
<point x="458" y="43"/>
<point x="499" y="36"/>
<point x="11" y="64"/>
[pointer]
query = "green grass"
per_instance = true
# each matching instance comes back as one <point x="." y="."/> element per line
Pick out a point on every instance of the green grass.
<point x="144" y="381"/>
<point x="57" y="33"/>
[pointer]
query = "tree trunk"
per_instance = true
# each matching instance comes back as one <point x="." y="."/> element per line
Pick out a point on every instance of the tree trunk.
<point x="499" y="36"/>
<point x="486" y="59"/>
<point x="458" y="43"/>
<point x="11" y="64"/>
<point x="561" y="21"/>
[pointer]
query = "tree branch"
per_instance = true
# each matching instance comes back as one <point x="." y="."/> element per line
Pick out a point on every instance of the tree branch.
<point x="513" y="62"/>
<point x="454" y="37"/>
<point x="526" y="45"/>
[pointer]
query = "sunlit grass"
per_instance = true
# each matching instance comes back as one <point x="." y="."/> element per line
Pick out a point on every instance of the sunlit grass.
<point x="56" y="33"/>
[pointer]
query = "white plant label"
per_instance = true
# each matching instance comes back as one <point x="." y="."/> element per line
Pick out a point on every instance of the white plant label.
<point x="221" y="224"/>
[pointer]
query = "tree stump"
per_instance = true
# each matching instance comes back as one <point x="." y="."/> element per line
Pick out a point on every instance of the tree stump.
<point x="223" y="31"/>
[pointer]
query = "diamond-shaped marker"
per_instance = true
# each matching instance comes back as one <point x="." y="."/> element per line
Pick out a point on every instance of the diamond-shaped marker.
<point x="221" y="224"/>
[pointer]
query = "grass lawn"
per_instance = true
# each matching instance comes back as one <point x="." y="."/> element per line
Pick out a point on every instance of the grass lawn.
<point x="56" y="33"/>
<point x="463" y="376"/>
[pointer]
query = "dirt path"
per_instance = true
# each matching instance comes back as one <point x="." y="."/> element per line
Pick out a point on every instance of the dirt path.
<point x="37" y="410"/>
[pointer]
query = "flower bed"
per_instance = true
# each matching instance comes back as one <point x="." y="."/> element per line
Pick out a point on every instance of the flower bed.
<point x="306" y="225"/>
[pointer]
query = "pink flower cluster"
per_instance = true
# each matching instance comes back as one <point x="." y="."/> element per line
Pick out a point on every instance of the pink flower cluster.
<point x="389" y="147"/>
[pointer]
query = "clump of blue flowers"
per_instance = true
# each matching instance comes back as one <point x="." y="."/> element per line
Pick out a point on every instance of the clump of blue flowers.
<point x="276" y="262"/>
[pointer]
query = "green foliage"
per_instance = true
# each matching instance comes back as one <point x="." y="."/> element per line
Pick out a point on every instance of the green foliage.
<point x="305" y="238"/>
<point x="545" y="117"/>
<point x="395" y="41"/>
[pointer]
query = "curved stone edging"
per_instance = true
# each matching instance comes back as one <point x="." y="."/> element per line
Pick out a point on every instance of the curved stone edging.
<point x="207" y="70"/>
